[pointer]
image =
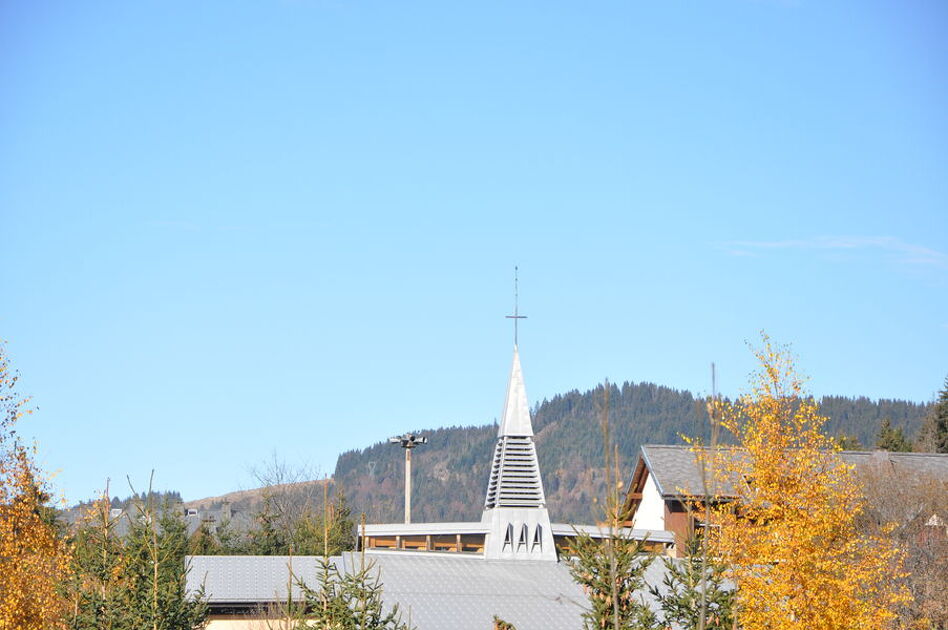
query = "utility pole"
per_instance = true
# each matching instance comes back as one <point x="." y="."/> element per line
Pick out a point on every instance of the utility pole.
<point x="408" y="442"/>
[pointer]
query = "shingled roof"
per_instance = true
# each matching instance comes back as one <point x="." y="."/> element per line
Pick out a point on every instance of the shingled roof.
<point x="677" y="473"/>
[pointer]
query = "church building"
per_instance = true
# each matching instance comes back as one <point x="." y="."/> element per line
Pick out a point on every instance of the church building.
<point x="458" y="575"/>
<point x="515" y="523"/>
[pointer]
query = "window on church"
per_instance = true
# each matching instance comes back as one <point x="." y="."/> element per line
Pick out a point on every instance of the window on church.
<point x="522" y="542"/>
<point x="508" y="538"/>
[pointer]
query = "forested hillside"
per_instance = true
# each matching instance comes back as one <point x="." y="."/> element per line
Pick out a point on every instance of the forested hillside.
<point x="450" y="472"/>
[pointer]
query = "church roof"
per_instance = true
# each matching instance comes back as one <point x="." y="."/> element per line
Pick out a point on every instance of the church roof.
<point x="439" y="590"/>
<point x="250" y="580"/>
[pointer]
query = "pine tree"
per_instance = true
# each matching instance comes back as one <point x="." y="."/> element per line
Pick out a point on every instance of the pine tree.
<point x="941" y="420"/>
<point x="334" y="523"/>
<point x="350" y="601"/>
<point x="204" y="542"/>
<point x="155" y="549"/>
<point x="695" y="596"/>
<point x="97" y="589"/>
<point x="933" y="436"/>
<point x="612" y="572"/>
<point x="266" y="538"/>
<point x="849" y="443"/>
<point x="892" y="439"/>
<point x="229" y="540"/>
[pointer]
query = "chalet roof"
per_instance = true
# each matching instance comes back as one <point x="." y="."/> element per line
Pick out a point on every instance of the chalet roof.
<point x="440" y="591"/>
<point x="929" y="464"/>
<point x="676" y="471"/>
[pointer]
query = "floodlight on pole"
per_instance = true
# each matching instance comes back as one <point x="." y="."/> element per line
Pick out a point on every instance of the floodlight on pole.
<point x="408" y="442"/>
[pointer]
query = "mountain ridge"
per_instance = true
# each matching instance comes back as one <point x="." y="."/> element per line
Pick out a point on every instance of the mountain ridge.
<point x="450" y="472"/>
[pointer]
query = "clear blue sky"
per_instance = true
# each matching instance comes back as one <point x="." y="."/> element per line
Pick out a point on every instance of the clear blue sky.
<point x="231" y="228"/>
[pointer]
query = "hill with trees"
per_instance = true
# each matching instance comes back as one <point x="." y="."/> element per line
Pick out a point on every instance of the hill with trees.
<point x="450" y="472"/>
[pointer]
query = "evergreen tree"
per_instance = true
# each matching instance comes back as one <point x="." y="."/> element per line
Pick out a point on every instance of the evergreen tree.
<point x="933" y="436"/>
<point x="303" y="534"/>
<point x="941" y="420"/>
<point x="203" y="542"/>
<point x="849" y="443"/>
<point x="334" y="524"/>
<point x="612" y="570"/>
<point x="350" y="601"/>
<point x="155" y="548"/>
<point x="892" y="439"/>
<point x="135" y="581"/>
<point x="695" y="596"/>
<point x="266" y="538"/>
<point x="97" y="588"/>
<point x="614" y="565"/>
<point x="229" y="540"/>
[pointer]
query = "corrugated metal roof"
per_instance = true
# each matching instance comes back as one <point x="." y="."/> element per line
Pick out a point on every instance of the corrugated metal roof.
<point x="242" y="579"/>
<point x="438" y="590"/>
<point x="462" y="593"/>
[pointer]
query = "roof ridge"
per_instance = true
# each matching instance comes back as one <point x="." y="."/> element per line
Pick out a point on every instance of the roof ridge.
<point x="896" y="453"/>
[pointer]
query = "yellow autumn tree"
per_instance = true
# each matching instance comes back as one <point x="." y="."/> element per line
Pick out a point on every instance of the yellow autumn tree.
<point x="34" y="560"/>
<point x="788" y="534"/>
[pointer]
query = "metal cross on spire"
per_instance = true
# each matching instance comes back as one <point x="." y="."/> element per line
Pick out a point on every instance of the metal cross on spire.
<point x="516" y="316"/>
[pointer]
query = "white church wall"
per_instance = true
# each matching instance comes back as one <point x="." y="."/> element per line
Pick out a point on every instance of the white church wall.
<point x="529" y="530"/>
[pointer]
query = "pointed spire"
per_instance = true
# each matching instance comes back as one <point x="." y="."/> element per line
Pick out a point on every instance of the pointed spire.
<point x="516" y="418"/>
<point x="515" y="504"/>
<point x="515" y="472"/>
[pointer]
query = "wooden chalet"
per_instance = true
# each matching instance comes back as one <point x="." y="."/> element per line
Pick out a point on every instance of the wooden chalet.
<point x="667" y="479"/>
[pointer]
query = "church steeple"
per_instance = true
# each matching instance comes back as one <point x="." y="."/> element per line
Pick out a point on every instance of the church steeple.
<point x="516" y="418"/>
<point x="515" y="472"/>
<point x="515" y="506"/>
